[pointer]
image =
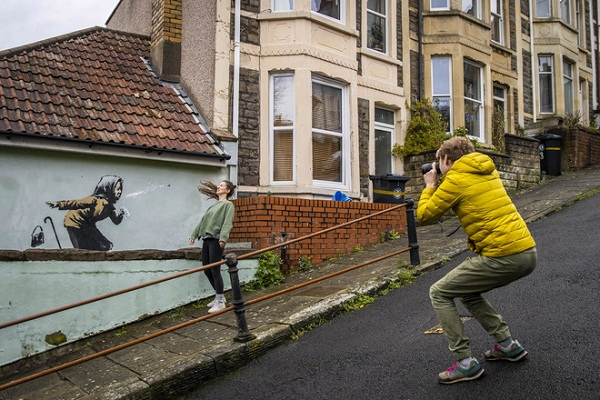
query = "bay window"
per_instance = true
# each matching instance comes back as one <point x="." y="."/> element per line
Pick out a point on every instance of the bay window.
<point x="546" y="84"/>
<point x="565" y="11"/>
<point x="282" y="5"/>
<point x="384" y="141"/>
<point x="441" y="84"/>
<point x="497" y="21"/>
<point x="377" y="25"/>
<point x="330" y="147"/>
<point x="472" y="7"/>
<point x="282" y="128"/>
<point x="330" y="8"/>
<point x="473" y="89"/>
<point x="568" y="87"/>
<point x="542" y="8"/>
<point x="439" y="5"/>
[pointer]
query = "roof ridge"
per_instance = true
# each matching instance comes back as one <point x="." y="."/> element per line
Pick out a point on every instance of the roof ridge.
<point x="65" y="37"/>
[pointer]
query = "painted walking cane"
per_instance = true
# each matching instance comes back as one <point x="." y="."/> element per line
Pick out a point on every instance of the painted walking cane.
<point x="55" y="235"/>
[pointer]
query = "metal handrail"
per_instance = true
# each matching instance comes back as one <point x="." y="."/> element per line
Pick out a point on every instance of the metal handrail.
<point x="188" y="272"/>
<point x="231" y="261"/>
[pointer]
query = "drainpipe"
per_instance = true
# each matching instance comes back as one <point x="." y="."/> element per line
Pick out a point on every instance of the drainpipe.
<point x="420" y="21"/>
<point x="236" y="70"/>
<point x="533" y="63"/>
<point x="594" y="66"/>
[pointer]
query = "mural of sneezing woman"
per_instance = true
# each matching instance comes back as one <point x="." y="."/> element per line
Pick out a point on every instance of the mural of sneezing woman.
<point x="84" y="213"/>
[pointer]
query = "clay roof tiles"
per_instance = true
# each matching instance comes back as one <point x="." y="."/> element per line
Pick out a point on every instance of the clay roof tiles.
<point x="96" y="85"/>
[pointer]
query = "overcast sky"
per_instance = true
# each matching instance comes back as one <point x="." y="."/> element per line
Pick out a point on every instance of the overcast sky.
<point x="27" y="21"/>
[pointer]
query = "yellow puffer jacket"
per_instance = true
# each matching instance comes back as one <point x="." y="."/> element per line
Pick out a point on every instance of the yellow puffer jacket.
<point x="473" y="190"/>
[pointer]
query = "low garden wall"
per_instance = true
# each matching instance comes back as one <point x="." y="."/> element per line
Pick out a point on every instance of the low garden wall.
<point x="264" y="221"/>
<point x="37" y="280"/>
<point x="581" y="147"/>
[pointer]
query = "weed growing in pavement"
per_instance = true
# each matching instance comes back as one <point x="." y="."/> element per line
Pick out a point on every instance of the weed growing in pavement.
<point x="393" y="234"/>
<point x="357" y="249"/>
<point x="315" y="324"/>
<point x="200" y="303"/>
<point x="121" y="331"/>
<point x="406" y="277"/>
<point x="304" y="264"/>
<point x="359" y="302"/>
<point x="177" y="313"/>
<point x="268" y="272"/>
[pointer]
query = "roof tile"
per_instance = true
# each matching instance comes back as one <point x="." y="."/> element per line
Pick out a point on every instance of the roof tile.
<point x="95" y="85"/>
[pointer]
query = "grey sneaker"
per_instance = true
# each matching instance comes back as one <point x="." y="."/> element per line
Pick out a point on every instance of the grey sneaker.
<point x="515" y="352"/>
<point x="457" y="373"/>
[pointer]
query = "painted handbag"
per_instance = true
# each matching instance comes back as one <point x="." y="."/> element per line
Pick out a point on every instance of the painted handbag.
<point x="37" y="236"/>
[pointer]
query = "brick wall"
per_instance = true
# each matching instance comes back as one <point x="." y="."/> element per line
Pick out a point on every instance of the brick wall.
<point x="519" y="168"/>
<point x="581" y="148"/>
<point x="264" y="221"/>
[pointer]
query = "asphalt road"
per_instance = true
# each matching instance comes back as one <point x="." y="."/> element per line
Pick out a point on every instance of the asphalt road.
<point x="382" y="352"/>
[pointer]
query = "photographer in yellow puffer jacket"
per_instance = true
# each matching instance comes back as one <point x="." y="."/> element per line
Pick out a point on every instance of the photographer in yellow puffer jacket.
<point x="497" y="233"/>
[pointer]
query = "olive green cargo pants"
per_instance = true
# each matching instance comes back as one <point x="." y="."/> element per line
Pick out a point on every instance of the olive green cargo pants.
<point x="468" y="281"/>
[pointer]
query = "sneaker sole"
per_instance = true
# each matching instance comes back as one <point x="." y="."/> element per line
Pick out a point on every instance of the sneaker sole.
<point x="516" y="358"/>
<point x="464" y="378"/>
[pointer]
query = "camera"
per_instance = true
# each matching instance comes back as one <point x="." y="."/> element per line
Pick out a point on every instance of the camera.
<point x="425" y="168"/>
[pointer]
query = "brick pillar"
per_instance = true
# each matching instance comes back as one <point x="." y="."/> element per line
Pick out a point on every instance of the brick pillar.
<point x="165" y="53"/>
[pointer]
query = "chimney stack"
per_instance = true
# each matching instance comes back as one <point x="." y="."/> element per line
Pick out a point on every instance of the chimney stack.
<point x="165" y="52"/>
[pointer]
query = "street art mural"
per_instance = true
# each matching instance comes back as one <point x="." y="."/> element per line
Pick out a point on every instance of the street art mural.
<point x="80" y="221"/>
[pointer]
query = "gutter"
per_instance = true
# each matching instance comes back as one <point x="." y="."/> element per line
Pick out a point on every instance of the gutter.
<point x="420" y="33"/>
<point x="594" y="66"/>
<point x="81" y="146"/>
<point x="533" y="64"/>
<point x="236" y="71"/>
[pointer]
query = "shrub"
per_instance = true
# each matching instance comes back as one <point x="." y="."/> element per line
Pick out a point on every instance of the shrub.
<point x="425" y="131"/>
<point x="268" y="272"/>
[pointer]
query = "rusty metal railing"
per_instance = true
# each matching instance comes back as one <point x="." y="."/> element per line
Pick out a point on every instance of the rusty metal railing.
<point x="239" y="304"/>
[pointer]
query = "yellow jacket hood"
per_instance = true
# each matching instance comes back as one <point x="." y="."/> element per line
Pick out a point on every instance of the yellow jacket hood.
<point x="473" y="190"/>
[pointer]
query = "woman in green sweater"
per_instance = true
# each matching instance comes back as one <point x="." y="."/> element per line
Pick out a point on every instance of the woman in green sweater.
<point x="214" y="229"/>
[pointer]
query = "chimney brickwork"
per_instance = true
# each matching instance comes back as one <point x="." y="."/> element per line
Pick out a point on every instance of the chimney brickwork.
<point x="166" y="39"/>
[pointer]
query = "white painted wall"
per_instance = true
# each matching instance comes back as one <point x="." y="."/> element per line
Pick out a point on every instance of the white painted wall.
<point x="162" y="197"/>
<point x="28" y="288"/>
<point x="165" y="206"/>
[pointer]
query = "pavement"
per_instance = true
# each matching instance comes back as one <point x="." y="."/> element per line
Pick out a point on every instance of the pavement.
<point x="149" y="366"/>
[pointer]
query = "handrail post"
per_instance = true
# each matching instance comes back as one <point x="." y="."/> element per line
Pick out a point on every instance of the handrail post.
<point x="412" y="233"/>
<point x="240" y="310"/>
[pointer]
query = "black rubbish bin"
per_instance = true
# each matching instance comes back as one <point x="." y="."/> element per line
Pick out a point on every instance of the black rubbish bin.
<point x="388" y="188"/>
<point x="550" y="153"/>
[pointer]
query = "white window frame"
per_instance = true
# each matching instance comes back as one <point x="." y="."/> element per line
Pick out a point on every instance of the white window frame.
<point x="273" y="129"/>
<point x="448" y="78"/>
<point x="342" y="4"/>
<point x="544" y="6"/>
<point x="497" y="16"/>
<point x="501" y="99"/>
<point x="384" y="17"/>
<point x="578" y="22"/>
<point x="479" y="102"/>
<point x="344" y="135"/>
<point x="569" y="87"/>
<point x="551" y="75"/>
<point x="476" y="4"/>
<point x="390" y="129"/>
<point x="278" y="5"/>
<point x="436" y="7"/>
<point x="565" y="11"/>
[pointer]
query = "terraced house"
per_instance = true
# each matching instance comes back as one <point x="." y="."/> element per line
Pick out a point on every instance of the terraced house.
<point x="298" y="99"/>
<point x="315" y="91"/>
